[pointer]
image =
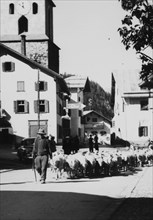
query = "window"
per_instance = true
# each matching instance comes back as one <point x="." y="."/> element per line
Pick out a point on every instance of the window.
<point x="59" y="128"/>
<point x="143" y="131"/>
<point x="59" y="109"/>
<point x="80" y="113"/>
<point x="43" y="106"/>
<point x="113" y="123"/>
<point x="20" y="86"/>
<point x="8" y="66"/>
<point x="88" y="119"/>
<point x="94" y="119"/>
<point x="69" y="112"/>
<point x="21" y="106"/>
<point x="79" y="131"/>
<point x="23" y="25"/>
<point x="34" y="8"/>
<point x="144" y="104"/>
<point x="11" y="8"/>
<point x="94" y="132"/>
<point x="103" y="133"/>
<point x="42" y="86"/>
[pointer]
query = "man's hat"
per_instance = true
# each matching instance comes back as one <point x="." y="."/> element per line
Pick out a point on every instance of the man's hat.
<point x="41" y="131"/>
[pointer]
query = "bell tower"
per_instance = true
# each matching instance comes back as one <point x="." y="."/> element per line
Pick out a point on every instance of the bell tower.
<point x="31" y="20"/>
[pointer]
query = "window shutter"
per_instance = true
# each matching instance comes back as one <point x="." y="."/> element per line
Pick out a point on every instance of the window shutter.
<point x="45" y="86"/>
<point x="35" y="106"/>
<point x="139" y="132"/>
<point x="80" y="113"/>
<point x="46" y="106"/>
<point x="145" y="131"/>
<point x="12" y="66"/>
<point x="36" y="86"/>
<point x="26" y="109"/>
<point x="69" y="112"/>
<point x="15" y="106"/>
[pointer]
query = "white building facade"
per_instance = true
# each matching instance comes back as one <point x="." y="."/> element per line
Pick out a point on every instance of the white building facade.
<point x="19" y="95"/>
<point x="133" y="115"/>
<point x="77" y="85"/>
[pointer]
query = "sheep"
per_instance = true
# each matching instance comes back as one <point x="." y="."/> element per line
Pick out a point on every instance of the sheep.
<point x="75" y="167"/>
<point x="58" y="164"/>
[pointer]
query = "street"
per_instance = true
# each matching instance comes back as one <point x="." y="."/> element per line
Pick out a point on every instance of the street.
<point x="126" y="196"/>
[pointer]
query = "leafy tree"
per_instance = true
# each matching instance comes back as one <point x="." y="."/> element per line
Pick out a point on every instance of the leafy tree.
<point x="137" y="31"/>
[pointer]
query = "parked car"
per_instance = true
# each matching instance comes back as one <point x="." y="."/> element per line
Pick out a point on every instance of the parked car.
<point x="24" y="151"/>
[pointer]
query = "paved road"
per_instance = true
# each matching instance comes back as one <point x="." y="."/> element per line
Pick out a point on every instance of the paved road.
<point x="108" y="198"/>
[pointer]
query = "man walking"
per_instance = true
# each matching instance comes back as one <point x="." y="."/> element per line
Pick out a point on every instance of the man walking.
<point x="91" y="144"/>
<point x="41" y="152"/>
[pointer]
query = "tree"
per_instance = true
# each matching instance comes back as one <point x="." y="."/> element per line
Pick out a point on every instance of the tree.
<point x="137" y="32"/>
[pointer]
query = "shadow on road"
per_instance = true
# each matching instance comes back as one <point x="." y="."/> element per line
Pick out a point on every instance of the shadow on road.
<point x="134" y="209"/>
<point x="40" y="205"/>
<point x="14" y="164"/>
<point x="10" y="161"/>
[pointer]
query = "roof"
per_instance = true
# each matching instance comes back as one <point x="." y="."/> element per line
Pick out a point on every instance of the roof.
<point x="4" y="50"/>
<point x="53" y="3"/>
<point x="85" y="113"/>
<point x="127" y="80"/>
<point x="147" y="83"/>
<point x="80" y="82"/>
<point x="137" y="94"/>
<point x="4" y="123"/>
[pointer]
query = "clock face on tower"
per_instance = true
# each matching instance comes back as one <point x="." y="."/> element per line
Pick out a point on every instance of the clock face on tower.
<point x="23" y="7"/>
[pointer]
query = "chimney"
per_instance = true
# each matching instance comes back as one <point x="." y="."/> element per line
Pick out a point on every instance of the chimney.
<point x="23" y="44"/>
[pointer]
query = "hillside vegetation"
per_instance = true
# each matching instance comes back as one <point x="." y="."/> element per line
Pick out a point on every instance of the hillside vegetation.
<point x="98" y="100"/>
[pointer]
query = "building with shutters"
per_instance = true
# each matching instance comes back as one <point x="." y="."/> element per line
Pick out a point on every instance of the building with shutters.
<point x="27" y="38"/>
<point x="133" y="109"/>
<point x="22" y="104"/>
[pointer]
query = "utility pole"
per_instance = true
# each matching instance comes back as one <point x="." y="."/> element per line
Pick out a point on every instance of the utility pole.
<point x="38" y="99"/>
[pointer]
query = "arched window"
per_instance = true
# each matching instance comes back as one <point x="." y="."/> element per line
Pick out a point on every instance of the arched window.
<point x="35" y="8"/>
<point x="11" y="8"/>
<point x="22" y="25"/>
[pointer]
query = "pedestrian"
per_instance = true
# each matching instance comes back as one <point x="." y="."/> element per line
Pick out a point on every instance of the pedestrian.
<point x="75" y="144"/>
<point x="52" y="143"/>
<point x="96" y="143"/>
<point x="41" y="153"/>
<point x="91" y="143"/>
<point x="67" y="145"/>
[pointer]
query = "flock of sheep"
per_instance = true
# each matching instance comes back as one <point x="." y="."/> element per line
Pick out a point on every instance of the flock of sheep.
<point x="97" y="164"/>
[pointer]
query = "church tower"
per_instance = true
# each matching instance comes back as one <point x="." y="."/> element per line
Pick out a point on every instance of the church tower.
<point x="27" y="27"/>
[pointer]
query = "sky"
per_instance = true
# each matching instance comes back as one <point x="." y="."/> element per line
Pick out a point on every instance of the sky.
<point x="90" y="45"/>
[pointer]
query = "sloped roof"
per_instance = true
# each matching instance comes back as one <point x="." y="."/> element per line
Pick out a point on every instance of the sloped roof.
<point x="148" y="83"/>
<point x="80" y="82"/>
<point x="53" y="3"/>
<point x="4" y="50"/>
<point x="4" y="123"/>
<point x="87" y="112"/>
